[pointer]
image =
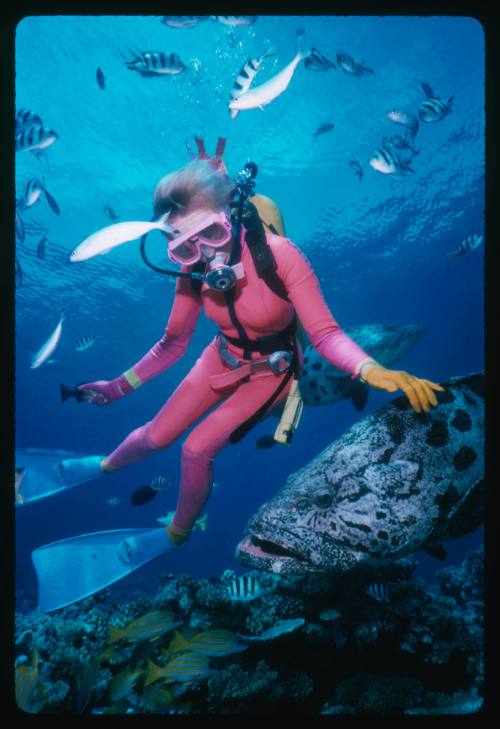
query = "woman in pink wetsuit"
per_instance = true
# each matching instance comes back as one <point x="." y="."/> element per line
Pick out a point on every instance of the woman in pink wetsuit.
<point x="227" y="392"/>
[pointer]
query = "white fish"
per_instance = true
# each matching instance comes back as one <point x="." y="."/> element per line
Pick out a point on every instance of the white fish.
<point x="262" y="95"/>
<point x="466" y="246"/>
<point x="235" y="20"/>
<point x="36" y="138"/>
<point x="245" y="589"/>
<point x="114" y="235"/>
<point x="48" y="348"/>
<point x="387" y="162"/>
<point x="407" y="120"/>
<point x="160" y="483"/>
<point x="84" y="342"/>
<point x="246" y="76"/>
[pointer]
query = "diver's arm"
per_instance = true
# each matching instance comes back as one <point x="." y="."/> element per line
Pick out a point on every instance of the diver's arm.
<point x="168" y="350"/>
<point x="305" y="294"/>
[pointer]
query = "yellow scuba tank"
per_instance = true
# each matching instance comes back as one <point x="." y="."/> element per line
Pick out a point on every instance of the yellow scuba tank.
<point x="271" y="216"/>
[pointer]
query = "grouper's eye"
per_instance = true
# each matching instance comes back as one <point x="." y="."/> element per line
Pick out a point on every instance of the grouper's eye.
<point x="302" y="505"/>
<point x="323" y="499"/>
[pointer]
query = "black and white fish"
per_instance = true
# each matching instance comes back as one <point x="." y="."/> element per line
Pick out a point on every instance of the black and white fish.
<point x="321" y="383"/>
<point x="114" y="500"/>
<point x="466" y="246"/>
<point x="260" y="96"/>
<point x="40" y="249"/>
<point x="356" y="165"/>
<point x="348" y="65"/>
<point x="31" y="194"/>
<point x="84" y="342"/>
<point x="183" y="21"/>
<point x="245" y="78"/>
<point x="235" y="20"/>
<point x="409" y="121"/>
<point x="316" y="61"/>
<point x="160" y="483"/>
<point x="245" y="589"/>
<point x="25" y="119"/>
<point x="378" y="591"/>
<point x="323" y="129"/>
<point x="110" y="213"/>
<point x="20" y="228"/>
<point x="434" y="109"/>
<point x="100" y="78"/>
<point x="394" y="483"/>
<point x="389" y="163"/>
<point x="36" y="138"/>
<point x="399" y="142"/>
<point x="19" y="274"/>
<point x="156" y="63"/>
<point x="49" y="346"/>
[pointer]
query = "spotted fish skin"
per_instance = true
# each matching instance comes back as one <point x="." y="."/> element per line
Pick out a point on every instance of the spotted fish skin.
<point x="322" y="383"/>
<point x="394" y="483"/>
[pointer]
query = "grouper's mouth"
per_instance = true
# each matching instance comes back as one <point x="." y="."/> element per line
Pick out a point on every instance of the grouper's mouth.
<point x="273" y="555"/>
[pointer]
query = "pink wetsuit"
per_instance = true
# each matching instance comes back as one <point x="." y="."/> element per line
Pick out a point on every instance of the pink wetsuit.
<point x="261" y="312"/>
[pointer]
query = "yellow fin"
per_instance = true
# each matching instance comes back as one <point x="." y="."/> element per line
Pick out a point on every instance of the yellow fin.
<point x="152" y="673"/>
<point x="115" y="634"/>
<point x="202" y="523"/>
<point x="178" y="643"/>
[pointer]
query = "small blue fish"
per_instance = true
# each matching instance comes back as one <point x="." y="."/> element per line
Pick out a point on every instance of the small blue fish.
<point x="323" y="129"/>
<point x="114" y="500"/>
<point x="316" y="61"/>
<point x="19" y="273"/>
<point x="348" y="65"/>
<point x="40" y="251"/>
<point x="356" y="165"/>
<point x="84" y="342"/>
<point x="110" y="213"/>
<point x="101" y="81"/>
<point x="378" y="591"/>
<point x="20" y="228"/>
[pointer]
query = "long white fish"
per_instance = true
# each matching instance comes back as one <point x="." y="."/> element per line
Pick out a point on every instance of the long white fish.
<point x="48" y="348"/>
<point x="260" y="96"/>
<point x="114" y="235"/>
<point x="246" y="76"/>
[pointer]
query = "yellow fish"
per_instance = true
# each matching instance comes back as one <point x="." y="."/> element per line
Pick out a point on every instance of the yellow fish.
<point x="149" y="626"/>
<point x="122" y="684"/>
<point x="185" y="668"/>
<point x="211" y="643"/>
<point x="29" y="691"/>
<point x="20" y="474"/>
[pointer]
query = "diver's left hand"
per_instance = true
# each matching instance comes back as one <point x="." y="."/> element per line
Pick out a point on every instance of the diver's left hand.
<point x="419" y="392"/>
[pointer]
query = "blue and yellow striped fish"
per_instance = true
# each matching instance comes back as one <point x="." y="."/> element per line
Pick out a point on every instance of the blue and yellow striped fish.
<point x="149" y="626"/>
<point x="186" y="668"/>
<point x="211" y="643"/>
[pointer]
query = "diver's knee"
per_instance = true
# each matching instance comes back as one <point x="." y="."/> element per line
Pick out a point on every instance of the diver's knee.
<point x="194" y="453"/>
<point x="153" y="437"/>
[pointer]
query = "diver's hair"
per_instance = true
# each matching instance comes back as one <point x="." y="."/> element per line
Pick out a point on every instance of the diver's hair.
<point x="197" y="184"/>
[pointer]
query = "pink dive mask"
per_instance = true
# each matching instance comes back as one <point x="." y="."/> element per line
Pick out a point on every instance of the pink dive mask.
<point x="213" y="230"/>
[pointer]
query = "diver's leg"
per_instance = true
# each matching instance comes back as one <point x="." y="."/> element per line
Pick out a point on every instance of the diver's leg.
<point x="207" y="439"/>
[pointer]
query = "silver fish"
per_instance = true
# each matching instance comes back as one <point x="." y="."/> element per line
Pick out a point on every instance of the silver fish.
<point x="36" y="138"/>
<point x="260" y="96"/>
<point x="156" y="63"/>
<point x="433" y="109"/>
<point x="316" y="61"/>
<point x="282" y="627"/>
<point x="235" y="20"/>
<point x="25" y="119"/>
<point x="323" y="129"/>
<point x="49" y="346"/>
<point x="348" y="65"/>
<point x="356" y="165"/>
<point x="245" y="78"/>
<point x="322" y="383"/>
<point x="409" y="121"/>
<point x="394" y="483"/>
<point x="40" y="250"/>
<point x="389" y="163"/>
<point x="183" y="21"/>
<point x="466" y="246"/>
<point x="244" y="589"/>
<point x="111" y="236"/>
<point x="160" y="483"/>
<point x="84" y="342"/>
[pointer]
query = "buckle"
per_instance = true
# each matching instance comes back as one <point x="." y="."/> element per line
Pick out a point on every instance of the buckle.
<point x="274" y="361"/>
<point x="226" y="356"/>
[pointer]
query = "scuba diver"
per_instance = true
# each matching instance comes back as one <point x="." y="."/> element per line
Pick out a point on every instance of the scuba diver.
<point x="253" y="283"/>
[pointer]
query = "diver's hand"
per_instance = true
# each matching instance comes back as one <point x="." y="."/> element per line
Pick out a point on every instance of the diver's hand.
<point x="419" y="392"/>
<point x="102" y="392"/>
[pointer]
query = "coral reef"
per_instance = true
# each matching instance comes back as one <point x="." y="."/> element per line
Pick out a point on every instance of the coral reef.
<point x="405" y="647"/>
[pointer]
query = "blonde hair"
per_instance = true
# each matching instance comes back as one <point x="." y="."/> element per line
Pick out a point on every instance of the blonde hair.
<point x="197" y="184"/>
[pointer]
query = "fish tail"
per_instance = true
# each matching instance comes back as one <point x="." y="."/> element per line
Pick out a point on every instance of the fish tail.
<point x="152" y="673"/>
<point x="115" y="634"/>
<point x="66" y="392"/>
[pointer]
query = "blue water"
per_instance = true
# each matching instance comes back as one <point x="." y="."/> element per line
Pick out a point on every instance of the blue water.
<point x="379" y="246"/>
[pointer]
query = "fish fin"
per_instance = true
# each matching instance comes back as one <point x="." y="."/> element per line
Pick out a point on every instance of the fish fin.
<point x="202" y="523"/>
<point x="266" y="441"/>
<point x="359" y="395"/>
<point x="437" y="551"/>
<point x="271" y="51"/>
<point x="151" y="673"/>
<point x="261" y="108"/>
<point x="52" y="203"/>
<point x="450" y="100"/>
<point x="427" y="90"/>
<point x="115" y="634"/>
<point x="468" y="513"/>
<point x="178" y="643"/>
